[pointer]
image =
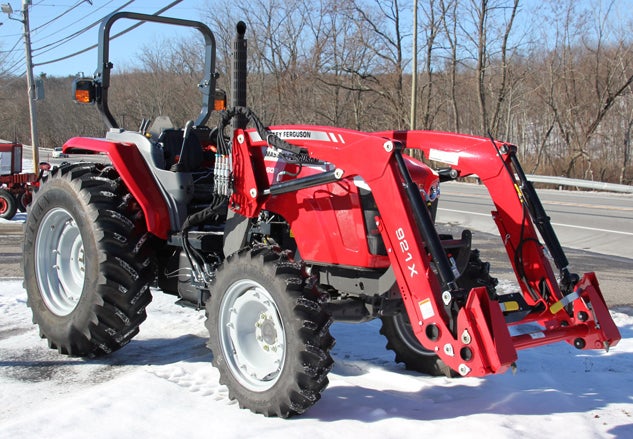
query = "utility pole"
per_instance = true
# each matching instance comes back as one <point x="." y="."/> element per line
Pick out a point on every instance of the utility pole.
<point x="414" y="67"/>
<point x="30" y="83"/>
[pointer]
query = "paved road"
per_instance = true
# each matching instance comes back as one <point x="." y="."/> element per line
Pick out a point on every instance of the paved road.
<point x="11" y="249"/>
<point x="595" y="229"/>
<point x="603" y="243"/>
<point x="593" y="221"/>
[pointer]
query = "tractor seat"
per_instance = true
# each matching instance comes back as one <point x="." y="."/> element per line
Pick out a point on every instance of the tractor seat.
<point x="192" y="154"/>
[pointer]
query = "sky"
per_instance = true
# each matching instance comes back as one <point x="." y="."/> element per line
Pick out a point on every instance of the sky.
<point x="52" y="21"/>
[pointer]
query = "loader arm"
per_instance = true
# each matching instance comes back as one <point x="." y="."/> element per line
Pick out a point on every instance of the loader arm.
<point x="471" y="155"/>
<point x="471" y="337"/>
<point x="572" y="308"/>
<point x="467" y="329"/>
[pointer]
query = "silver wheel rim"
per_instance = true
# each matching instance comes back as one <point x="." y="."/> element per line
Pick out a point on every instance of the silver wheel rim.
<point x="59" y="262"/>
<point x="252" y="337"/>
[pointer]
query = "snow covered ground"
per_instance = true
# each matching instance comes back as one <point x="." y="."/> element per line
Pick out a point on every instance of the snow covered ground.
<point x="162" y="385"/>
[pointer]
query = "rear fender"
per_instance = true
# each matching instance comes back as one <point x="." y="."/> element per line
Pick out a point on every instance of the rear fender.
<point x="136" y="175"/>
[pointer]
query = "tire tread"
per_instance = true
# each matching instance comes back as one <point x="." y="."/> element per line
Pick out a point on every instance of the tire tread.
<point x="124" y="272"/>
<point x="305" y="378"/>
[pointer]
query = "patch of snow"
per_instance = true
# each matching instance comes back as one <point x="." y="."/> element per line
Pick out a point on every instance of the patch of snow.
<point x="162" y="385"/>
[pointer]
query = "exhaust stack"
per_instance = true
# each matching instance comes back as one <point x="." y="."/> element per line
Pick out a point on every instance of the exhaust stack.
<point x="238" y="85"/>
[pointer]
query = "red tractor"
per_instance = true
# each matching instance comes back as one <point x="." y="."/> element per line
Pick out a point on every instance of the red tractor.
<point x="15" y="186"/>
<point x="278" y="231"/>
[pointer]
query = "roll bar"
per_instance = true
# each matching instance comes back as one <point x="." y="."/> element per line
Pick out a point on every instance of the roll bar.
<point x="102" y="74"/>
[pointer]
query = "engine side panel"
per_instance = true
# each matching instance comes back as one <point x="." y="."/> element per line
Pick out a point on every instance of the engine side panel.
<point x="329" y="221"/>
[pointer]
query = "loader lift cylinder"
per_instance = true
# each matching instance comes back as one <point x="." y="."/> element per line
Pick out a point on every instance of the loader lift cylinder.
<point x="542" y="222"/>
<point x="425" y="223"/>
<point x="238" y="85"/>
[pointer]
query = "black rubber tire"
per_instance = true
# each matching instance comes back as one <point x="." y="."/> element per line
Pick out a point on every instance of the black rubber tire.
<point x="24" y="200"/>
<point x="8" y="204"/>
<point x="401" y="339"/>
<point x="305" y="337"/>
<point x="99" y="310"/>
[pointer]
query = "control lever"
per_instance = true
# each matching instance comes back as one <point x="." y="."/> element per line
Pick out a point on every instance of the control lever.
<point x="187" y="131"/>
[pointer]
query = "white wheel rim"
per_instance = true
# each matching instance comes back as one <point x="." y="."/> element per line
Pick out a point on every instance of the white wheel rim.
<point x="252" y="336"/>
<point x="59" y="261"/>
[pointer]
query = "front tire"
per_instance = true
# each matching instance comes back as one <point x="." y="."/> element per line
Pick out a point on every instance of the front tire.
<point x="86" y="261"/>
<point x="270" y="338"/>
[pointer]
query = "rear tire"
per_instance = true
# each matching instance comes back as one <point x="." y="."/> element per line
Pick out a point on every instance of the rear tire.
<point x="270" y="338"/>
<point x="87" y="268"/>
<point x="402" y="340"/>
<point x="8" y="204"/>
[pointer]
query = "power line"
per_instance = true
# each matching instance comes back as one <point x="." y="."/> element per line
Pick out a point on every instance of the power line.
<point x="16" y="64"/>
<point x="160" y="11"/>
<point x="74" y="35"/>
<point x="55" y="33"/>
<point x="8" y="58"/>
<point x="20" y="64"/>
<point x="14" y="46"/>
<point x="59" y="16"/>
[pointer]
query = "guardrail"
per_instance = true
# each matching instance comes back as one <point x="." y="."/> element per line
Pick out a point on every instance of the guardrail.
<point x="586" y="184"/>
<point x="556" y="181"/>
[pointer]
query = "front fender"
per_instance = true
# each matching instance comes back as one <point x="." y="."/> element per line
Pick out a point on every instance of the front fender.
<point x="136" y="175"/>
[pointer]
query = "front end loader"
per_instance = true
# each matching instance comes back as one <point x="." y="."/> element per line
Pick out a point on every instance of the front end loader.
<point x="277" y="231"/>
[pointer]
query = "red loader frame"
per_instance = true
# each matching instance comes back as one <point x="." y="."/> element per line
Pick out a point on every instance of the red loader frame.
<point x="467" y="329"/>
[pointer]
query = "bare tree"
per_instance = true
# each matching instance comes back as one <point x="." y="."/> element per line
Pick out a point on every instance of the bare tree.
<point x="432" y="26"/>
<point x="626" y="152"/>
<point x="485" y="13"/>
<point x="338" y="57"/>
<point x="503" y="88"/>
<point x="590" y="75"/>
<point x="380" y="26"/>
<point x="449" y="20"/>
